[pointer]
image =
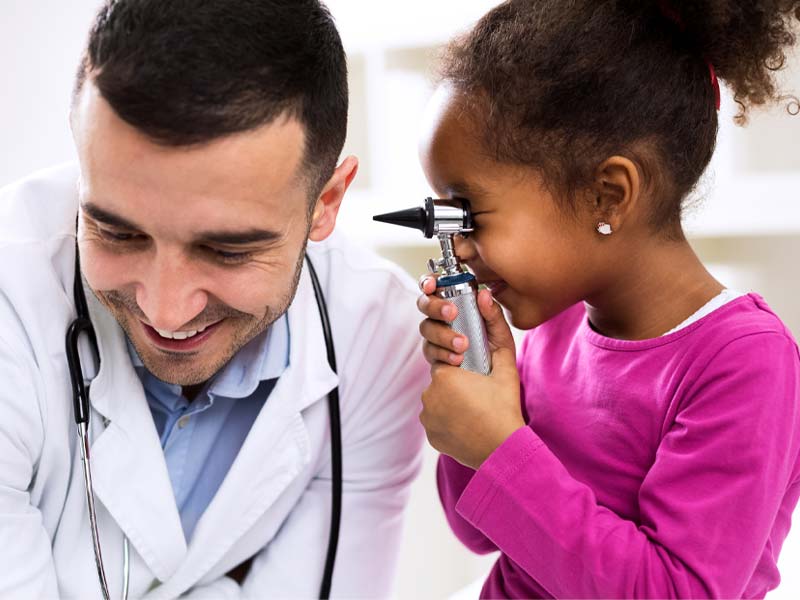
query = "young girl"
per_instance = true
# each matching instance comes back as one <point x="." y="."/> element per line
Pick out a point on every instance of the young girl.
<point x="655" y="453"/>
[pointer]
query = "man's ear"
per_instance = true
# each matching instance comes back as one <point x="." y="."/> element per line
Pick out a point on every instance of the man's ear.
<point x="617" y="191"/>
<point x="326" y="209"/>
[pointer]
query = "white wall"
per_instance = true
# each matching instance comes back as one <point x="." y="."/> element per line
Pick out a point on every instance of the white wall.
<point x="40" y="44"/>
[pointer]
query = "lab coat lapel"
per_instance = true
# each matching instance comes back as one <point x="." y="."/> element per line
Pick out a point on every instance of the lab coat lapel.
<point x="130" y="473"/>
<point x="274" y="453"/>
<point x="308" y="355"/>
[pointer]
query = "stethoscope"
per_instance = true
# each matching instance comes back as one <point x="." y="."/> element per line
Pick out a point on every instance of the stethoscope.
<point x="83" y="324"/>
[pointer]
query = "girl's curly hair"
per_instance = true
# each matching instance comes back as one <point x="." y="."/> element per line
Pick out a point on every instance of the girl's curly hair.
<point x="561" y="85"/>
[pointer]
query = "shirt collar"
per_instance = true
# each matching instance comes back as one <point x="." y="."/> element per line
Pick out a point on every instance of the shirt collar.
<point x="264" y="357"/>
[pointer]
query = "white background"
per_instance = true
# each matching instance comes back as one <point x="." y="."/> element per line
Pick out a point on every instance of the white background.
<point x="748" y="228"/>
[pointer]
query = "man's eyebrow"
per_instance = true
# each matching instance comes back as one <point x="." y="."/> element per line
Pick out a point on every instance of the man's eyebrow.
<point x="109" y="218"/>
<point x="227" y="238"/>
<point x="236" y="238"/>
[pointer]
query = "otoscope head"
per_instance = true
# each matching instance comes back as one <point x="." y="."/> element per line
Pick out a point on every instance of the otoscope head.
<point x="436" y="217"/>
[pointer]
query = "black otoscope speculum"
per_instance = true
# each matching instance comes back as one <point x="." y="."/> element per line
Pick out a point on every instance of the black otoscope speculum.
<point x="445" y="219"/>
<point x="437" y="216"/>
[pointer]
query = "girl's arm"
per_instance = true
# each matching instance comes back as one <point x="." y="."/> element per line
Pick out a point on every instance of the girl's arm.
<point x="718" y="497"/>
<point x="451" y="479"/>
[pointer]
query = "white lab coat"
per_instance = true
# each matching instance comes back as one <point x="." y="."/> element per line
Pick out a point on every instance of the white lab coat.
<point x="275" y="500"/>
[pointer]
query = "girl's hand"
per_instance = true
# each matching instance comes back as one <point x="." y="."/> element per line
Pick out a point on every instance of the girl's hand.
<point x="467" y="415"/>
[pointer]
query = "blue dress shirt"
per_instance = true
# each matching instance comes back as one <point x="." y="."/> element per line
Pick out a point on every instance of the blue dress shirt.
<point x="201" y="439"/>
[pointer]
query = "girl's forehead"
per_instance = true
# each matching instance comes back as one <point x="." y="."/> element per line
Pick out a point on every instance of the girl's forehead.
<point x="449" y="137"/>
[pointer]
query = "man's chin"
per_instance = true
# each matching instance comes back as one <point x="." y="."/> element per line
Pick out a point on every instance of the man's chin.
<point x="176" y="369"/>
<point x="192" y="366"/>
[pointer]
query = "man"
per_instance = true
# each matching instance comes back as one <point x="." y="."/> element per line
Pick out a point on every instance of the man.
<point x="208" y="133"/>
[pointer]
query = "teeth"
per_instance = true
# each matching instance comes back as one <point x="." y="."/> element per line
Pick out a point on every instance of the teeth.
<point x="181" y="335"/>
<point x="177" y="335"/>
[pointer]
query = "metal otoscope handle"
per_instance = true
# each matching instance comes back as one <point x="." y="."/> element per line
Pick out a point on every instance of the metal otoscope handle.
<point x="462" y="290"/>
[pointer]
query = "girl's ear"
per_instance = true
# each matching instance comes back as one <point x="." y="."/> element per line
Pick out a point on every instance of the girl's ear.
<point x="617" y="190"/>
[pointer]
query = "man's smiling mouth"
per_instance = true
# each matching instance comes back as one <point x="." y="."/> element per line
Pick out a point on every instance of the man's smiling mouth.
<point x="179" y="340"/>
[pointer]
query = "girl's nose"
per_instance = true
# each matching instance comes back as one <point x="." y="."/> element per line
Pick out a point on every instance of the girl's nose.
<point x="465" y="248"/>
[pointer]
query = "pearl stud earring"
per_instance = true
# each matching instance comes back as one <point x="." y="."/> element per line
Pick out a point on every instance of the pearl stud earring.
<point x="604" y="228"/>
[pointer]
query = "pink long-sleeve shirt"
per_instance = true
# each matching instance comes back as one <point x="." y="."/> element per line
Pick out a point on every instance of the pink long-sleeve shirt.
<point x="657" y="468"/>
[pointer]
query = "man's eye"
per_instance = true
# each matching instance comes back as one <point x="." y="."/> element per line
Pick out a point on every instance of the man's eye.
<point x="115" y="236"/>
<point x="230" y="257"/>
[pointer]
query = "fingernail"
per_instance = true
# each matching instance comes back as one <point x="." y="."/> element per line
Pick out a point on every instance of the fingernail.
<point x="459" y="343"/>
<point x="447" y="312"/>
<point x="454" y="358"/>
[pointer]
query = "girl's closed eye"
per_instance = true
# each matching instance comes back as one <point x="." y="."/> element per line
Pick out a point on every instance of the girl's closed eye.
<point x="479" y="220"/>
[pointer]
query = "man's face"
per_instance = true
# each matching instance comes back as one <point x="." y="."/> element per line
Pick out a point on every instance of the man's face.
<point x="207" y="239"/>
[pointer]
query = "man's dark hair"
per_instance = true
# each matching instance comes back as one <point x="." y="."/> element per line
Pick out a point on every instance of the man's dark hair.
<point x="186" y="72"/>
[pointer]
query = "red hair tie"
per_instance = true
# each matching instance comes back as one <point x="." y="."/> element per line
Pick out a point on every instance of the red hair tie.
<point x="673" y="15"/>
<point x="715" y="84"/>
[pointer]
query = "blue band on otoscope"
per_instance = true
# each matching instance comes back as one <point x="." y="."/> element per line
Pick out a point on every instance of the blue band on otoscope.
<point x="454" y="280"/>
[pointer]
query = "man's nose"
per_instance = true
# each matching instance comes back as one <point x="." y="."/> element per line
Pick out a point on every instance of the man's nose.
<point x="168" y="293"/>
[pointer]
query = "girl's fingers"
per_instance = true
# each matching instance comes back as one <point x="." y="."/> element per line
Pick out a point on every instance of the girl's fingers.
<point x="427" y="283"/>
<point x="497" y="329"/>
<point x="434" y="307"/>
<point x="439" y="334"/>
<point x="437" y="354"/>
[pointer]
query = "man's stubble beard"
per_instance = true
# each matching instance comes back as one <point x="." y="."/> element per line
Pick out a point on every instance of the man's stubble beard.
<point x="178" y="368"/>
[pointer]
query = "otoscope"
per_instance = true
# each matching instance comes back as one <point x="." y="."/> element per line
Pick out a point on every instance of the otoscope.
<point x="445" y="219"/>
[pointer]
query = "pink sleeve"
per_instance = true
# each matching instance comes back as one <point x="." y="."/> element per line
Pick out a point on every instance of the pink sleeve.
<point x="707" y="506"/>
<point x="451" y="479"/>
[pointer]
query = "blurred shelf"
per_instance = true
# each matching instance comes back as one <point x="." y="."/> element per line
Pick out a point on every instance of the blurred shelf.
<point x="748" y="206"/>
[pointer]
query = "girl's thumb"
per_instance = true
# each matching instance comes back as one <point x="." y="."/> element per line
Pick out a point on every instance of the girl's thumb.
<point x="497" y="330"/>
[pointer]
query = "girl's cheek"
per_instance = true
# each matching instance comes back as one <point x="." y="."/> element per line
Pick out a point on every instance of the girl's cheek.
<point x="498" y="255"/>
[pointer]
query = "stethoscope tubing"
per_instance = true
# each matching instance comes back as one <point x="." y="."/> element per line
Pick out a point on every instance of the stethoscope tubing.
<point x="83" y="325"/>
<point x="83" y="433"/>
<point x="336" y="439"/>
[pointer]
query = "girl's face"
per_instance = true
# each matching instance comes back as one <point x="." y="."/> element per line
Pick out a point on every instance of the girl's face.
<point x="537" y="259"/>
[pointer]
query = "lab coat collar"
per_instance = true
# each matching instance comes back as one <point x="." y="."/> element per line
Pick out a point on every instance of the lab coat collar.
<point x="262" y="358"/>
<point x="131" y="477"/>
<point x="253" y="483"/>
<point x="308" y="356"/>
<point x="128" y="465"/>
